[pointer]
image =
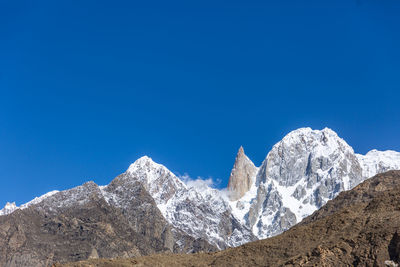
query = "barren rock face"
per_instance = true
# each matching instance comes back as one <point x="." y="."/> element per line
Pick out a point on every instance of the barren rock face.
<point x="358" y="228"/>
<point x="199" y="212"/>
<point x="242" y="176"/>
<point x="300" y="174"/>
<point x="149" y="209"/>
<point x="87" y="222"/>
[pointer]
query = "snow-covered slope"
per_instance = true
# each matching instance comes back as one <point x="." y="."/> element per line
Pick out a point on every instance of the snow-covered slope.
<point x="379" y="161"/>
<point x="11" y="207"/>
<point x="8" y="208"/>
<point x="201" y="212"/>
<point x="299" y="175"/>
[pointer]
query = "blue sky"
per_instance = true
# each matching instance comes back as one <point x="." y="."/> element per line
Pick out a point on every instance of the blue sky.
<point x="87" y="87"/>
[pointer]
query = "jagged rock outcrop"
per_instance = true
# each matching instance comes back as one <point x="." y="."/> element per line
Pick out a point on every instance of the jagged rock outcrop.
<point x="301" y="173"/>
<point x="358" y="228"/>
<point x="83" y="223"/>
<point x="200" y="213"/>
<point x="11" y="207"/>
<point x="242" y="176"/>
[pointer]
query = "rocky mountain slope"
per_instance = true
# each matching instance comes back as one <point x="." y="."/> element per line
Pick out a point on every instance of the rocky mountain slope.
<point x="300" y="174"/>
<point x="80" y="223"/>
<point x="358" y="228"/>
<point x="199" y="213"/>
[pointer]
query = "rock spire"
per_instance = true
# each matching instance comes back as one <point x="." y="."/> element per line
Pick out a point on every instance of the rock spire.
<point x="242" y="176"/>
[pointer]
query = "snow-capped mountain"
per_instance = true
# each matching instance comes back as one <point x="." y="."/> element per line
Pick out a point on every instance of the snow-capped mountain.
<point x="194" y="214"/>
<point x="299" y="175"/>
<point x="199" y="213"/>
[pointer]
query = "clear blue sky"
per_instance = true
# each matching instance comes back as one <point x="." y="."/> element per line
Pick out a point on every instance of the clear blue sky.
<point x="87" y="87"/>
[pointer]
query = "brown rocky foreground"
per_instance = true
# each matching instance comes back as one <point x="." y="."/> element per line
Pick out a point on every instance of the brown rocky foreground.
<point x="361" y="227"/>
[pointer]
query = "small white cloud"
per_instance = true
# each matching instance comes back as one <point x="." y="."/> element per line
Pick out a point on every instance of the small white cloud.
<point x="199" y="183"/>
<point x="207" y="187"/>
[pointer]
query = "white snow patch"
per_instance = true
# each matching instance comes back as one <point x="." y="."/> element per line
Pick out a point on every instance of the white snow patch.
<point x="11" y="207"/>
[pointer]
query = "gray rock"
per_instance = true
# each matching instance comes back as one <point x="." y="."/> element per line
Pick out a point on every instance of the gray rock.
<point x="148" y="209"/>
<point x="302" y="172"/>
<point x="79" y="224"/>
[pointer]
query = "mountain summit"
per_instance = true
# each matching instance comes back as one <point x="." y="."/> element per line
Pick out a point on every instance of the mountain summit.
<point x="159" y="212"/>
<point x="299" y="175"/>
<point x="200" y="213"/>
<point x="358" y="228"/>
<point x="242" y="176"/>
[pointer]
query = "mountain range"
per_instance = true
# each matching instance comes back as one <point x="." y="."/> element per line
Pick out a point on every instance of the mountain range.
<point x="359" y="227"/>
<point x="148" y="209"/>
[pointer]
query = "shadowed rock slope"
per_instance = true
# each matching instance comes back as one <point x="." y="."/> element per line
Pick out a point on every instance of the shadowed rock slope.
<point x="80" y="224"/>
<point x="360" y="227"/>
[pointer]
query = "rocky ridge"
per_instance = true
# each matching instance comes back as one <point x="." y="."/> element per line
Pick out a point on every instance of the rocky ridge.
<point x="199" y="213"/>
<point x="85" y="222"/>
<point x="358" y="228"/>
<point x="300" y="174"/>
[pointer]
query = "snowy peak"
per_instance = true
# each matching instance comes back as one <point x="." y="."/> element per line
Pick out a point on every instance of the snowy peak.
<point x="302" y="172"/>
<point x="325" y="137"/>
<point x="299" y="175"/>
<point x="142" y="162"/>
<point x="143" y="167"/>
<point x="379" y="161"/>
<point x="160" y="182"/>
<point x="195" y="208"/>
<point x="303" y="152"/>
<point x="242" y="176"/>
<point x="8" y="208"/>
<point x="147" y="171"/>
